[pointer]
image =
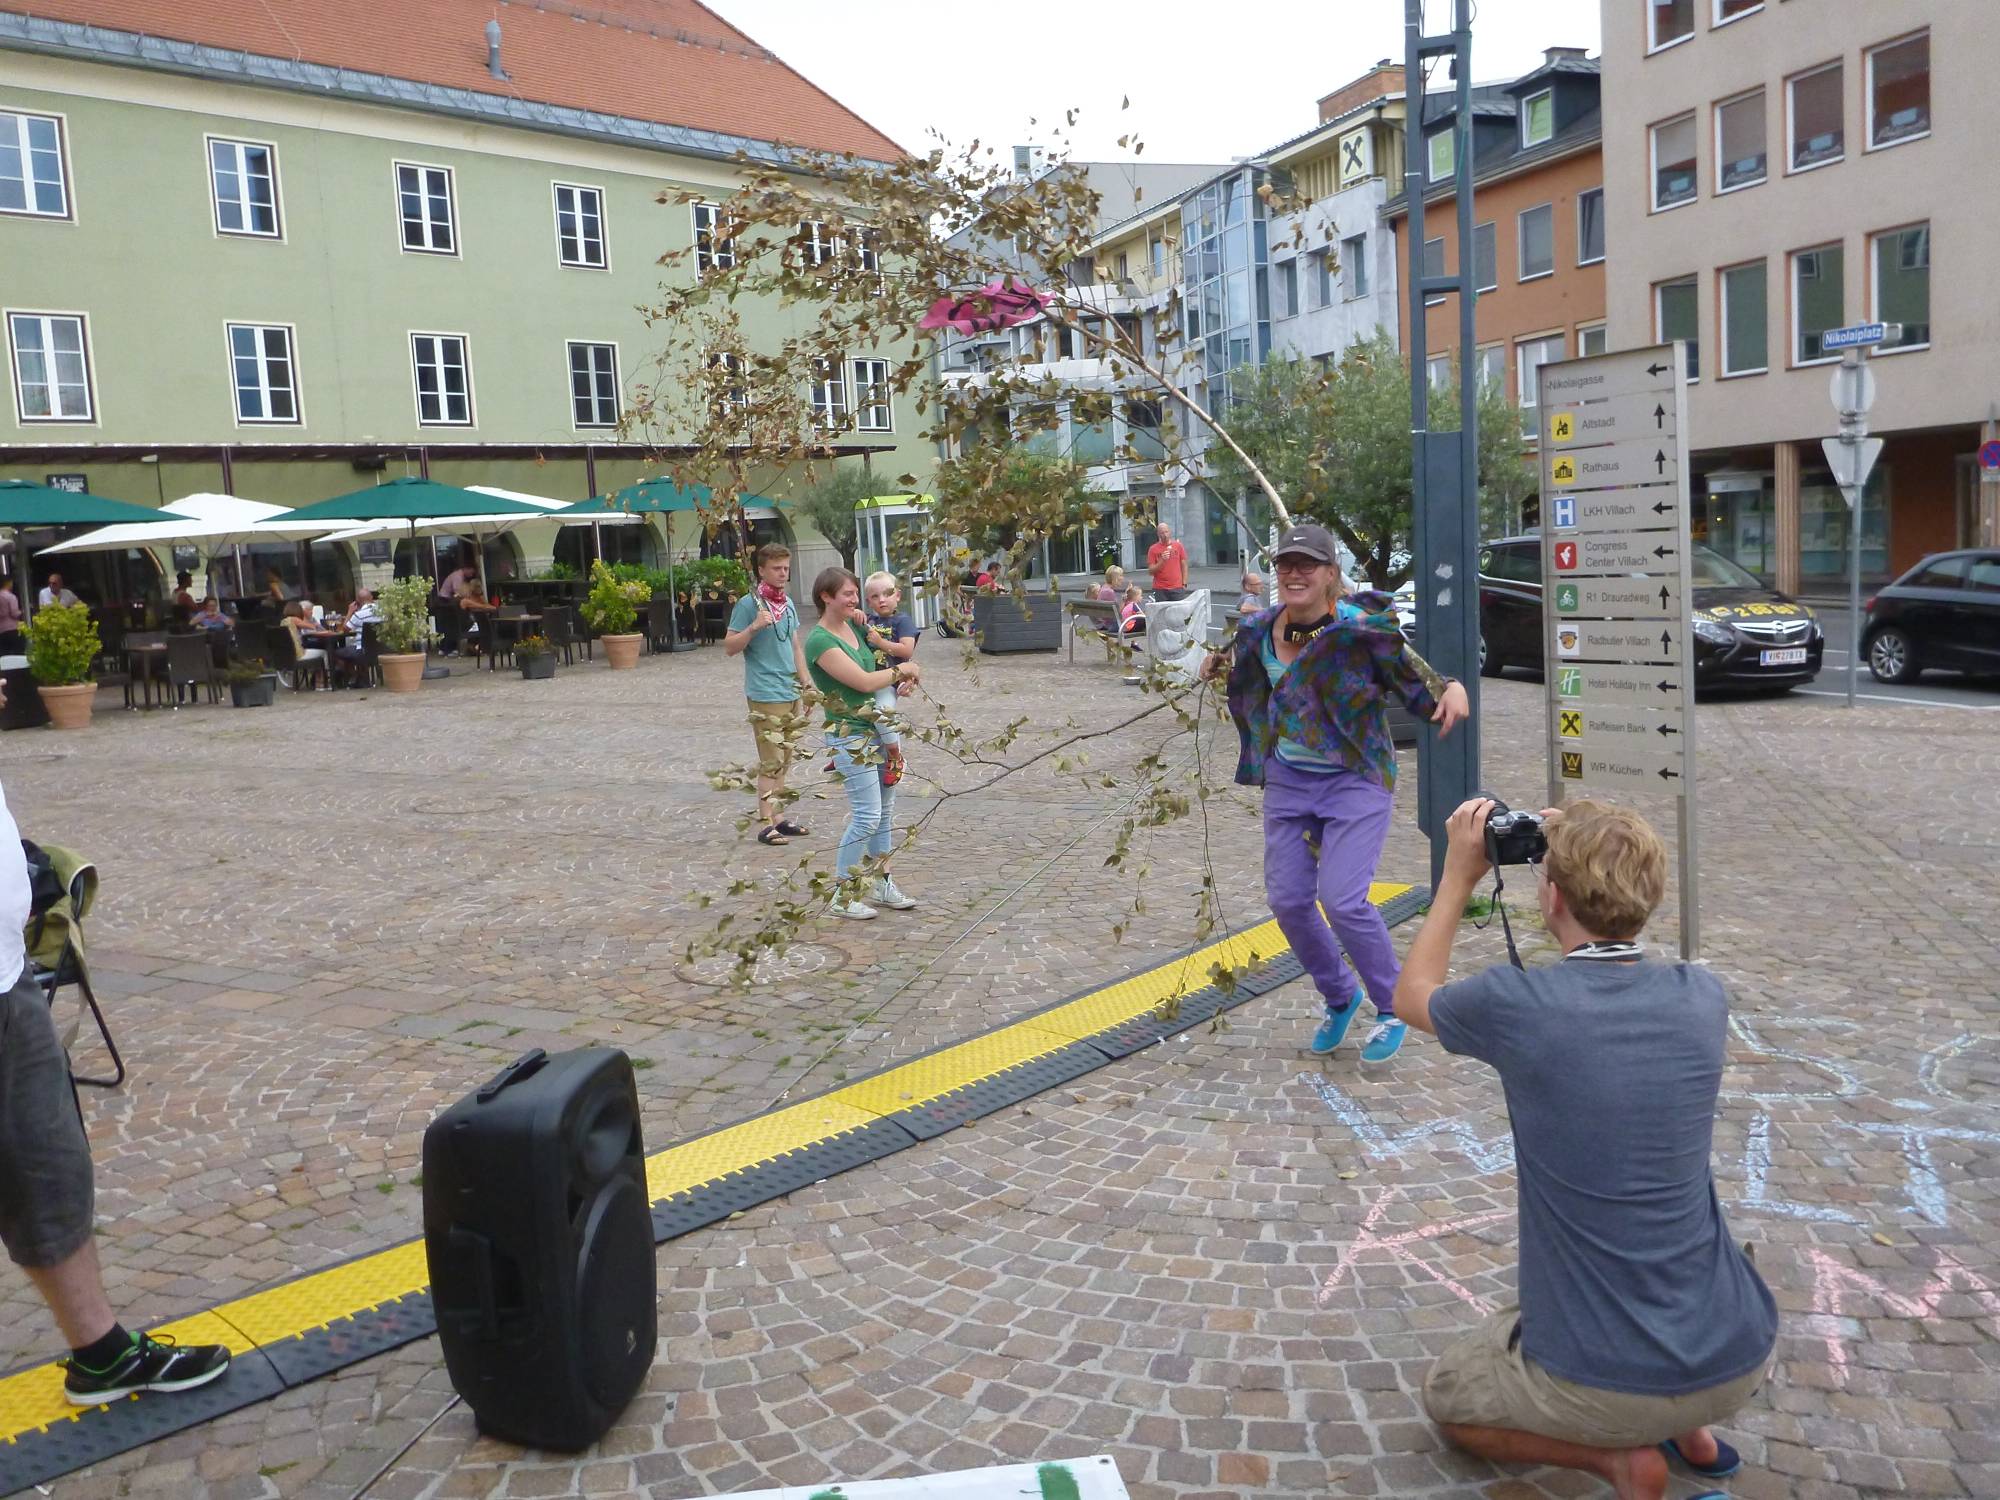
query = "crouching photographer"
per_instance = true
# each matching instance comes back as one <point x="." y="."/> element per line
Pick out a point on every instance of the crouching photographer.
<point x="1640" y="1320"/>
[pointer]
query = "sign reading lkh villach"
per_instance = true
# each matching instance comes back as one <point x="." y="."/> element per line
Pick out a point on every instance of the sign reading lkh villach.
<point x="1615" y="571"/>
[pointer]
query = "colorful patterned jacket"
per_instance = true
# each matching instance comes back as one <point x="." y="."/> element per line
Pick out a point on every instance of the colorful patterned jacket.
<point x="1334" y="698"/>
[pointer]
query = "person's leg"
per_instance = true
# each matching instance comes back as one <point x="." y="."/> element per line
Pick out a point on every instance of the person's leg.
<point x="74" y="1291"/>
<point x="1632" y="1473"/>
<point x="764" y="723"/>
<point x="863" y="782"/>
<point x="1357" y="812"/>
<point x="1292" y="859"/>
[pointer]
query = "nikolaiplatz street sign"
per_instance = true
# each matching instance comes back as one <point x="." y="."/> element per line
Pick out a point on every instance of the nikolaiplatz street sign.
<point x="1618" y="653"/>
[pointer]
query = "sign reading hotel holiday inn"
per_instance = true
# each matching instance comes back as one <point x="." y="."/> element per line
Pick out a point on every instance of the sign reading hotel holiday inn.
<point x="1617" y="654"/>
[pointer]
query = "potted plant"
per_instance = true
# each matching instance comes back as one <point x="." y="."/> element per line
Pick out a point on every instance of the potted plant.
<point x="251" y="683"/>
<point x="536" y="656"/>
<point x="62" y="648"/>
<point x="404" y="629"/>
<point x="612" y="608"/>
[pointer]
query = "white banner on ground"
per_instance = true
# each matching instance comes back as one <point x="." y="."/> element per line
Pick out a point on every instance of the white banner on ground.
<point x="1069" y="1479"/>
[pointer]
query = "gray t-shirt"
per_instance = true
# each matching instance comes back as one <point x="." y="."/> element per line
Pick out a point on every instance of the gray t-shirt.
<point x="1629" y="1279"/>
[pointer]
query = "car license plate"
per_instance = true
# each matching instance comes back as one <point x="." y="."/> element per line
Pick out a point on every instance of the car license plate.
<point x="1784" y="656"/>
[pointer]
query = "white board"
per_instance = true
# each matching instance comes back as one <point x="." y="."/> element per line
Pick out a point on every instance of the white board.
<point x="1064" y="1479"/>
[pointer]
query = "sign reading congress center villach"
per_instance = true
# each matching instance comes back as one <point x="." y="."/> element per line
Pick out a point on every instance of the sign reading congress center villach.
<point x="1615" y="571"/>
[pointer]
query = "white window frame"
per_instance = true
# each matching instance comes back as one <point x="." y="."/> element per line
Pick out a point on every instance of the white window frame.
<point x="1449" y="135"/>
<point x="719" y="252"/>
<point x="1521" y="243"/>
<point x="735" y="372"/>
<point x="866" y="377"/>
<point x="1653" y="204"/>
<point x="1524" y="374"/>
<point x="603" y="261"/>
<point x="1659" y="319"/>
<point x="208" y="145"/>
<point x="1717" y="185"/>
<point x="291" y="333"/>
<point x="1797" y="328"/>
<point x="1868" y="141"/>
<point x="1585" y="330"/>
<point x="820" y="243"/>
<point x="1717" y="20"/>
<point x="1527" y="105"/>
<point x="1437" y="373"/>
<point x="829" y="396"/>
<point x="1286" y="282"/>
<point x="570" y="346"/>
<point x="1354" y="284"/>
<point x="1482" y="356"/>
<point x="48" y="318"/>
<point x="64" y="181"/>
<point x="424" y="197"/>
<point x="416" y="387"/>
<point x="1653" y="43"/>
<point x="1595" y="260"/>
<point x="1424" y="267"/>
<point x="1875" y="236"/>
<point x="1722" y="369"/>
<point x="1792" y="113"/>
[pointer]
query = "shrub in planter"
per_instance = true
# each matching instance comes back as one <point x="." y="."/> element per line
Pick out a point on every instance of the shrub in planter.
<point x="403" y="630"/>
<point x="62" y="647"/>
<point x="612" y="610"/>
<point x="251" y="683"/>
<point x="536" y="656"/>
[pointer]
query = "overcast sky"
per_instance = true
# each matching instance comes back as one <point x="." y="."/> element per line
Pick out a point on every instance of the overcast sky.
<point x="1208" y="81"/>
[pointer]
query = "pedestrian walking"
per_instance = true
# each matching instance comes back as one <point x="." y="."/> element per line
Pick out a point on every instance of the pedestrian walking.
<point x="1309" y="686"/>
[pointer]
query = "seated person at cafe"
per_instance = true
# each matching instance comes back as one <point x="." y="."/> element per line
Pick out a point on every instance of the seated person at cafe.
<point x="348" y="656"/>
<point x="210" y="616"/>
<point x="53" y="592"/>
<point x="472" y="599"/>
<point x="294" y="621"/>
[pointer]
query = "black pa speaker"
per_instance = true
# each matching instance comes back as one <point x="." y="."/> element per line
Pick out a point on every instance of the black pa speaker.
<point x="540" y="1242"/>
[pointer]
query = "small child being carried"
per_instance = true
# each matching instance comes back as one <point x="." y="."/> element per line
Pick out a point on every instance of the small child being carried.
<point x="893" y="636"/>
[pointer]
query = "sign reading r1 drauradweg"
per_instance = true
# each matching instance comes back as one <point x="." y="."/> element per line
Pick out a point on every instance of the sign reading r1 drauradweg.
<point x="1617" y="652"/>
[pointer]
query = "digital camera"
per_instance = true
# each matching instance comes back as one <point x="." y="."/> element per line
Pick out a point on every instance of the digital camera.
<point x="1514" y="838"/>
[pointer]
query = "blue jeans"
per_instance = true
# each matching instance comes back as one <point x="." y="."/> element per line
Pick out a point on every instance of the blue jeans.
<point x="871" y="806"/>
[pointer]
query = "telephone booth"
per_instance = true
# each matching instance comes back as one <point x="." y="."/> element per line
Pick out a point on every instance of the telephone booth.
<point x="879" y="524"/>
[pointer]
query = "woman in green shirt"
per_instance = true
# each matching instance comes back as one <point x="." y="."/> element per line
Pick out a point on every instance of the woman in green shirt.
<point x="843" y="670"/>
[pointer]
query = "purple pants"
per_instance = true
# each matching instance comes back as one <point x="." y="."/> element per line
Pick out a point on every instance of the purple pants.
<point x="1323" y="837"/>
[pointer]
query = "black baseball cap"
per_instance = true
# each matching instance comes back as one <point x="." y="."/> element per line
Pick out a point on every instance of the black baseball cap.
<point x="1307" y="540"/>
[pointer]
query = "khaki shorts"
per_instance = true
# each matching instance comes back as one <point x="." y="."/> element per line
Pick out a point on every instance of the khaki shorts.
<point x="776" y="728"/>
<point x="1484" y="1380"/>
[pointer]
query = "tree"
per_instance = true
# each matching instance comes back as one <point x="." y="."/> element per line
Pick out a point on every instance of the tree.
<point x="830" y="503"/>
<point x="1338" y="442"/>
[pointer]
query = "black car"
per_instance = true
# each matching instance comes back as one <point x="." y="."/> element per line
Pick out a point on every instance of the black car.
<point x="1745" y="635"/>
<point x="1943" y="613"/>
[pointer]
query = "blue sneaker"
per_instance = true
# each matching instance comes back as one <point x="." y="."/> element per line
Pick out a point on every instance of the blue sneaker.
<point x="1385" y="1040"/>
<point x="1333" y="1030"/>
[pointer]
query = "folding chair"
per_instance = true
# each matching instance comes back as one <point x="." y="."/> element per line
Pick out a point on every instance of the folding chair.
<point x="55" y="948"/>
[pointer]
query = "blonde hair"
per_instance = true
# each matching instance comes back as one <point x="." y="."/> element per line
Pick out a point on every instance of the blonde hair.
<point x="878" y="580"/>
<point x="1610" y="866"/>
<point x="1135" y="592"/>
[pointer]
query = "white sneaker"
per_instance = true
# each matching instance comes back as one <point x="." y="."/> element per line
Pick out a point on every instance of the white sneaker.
<point x="887" y="895"/>
<point x="855" y="911"/>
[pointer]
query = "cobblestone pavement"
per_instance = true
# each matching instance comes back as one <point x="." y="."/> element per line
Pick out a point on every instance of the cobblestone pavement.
<point x="1221" y="1261"/>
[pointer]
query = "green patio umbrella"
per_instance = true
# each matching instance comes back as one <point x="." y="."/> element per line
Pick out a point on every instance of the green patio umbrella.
<point x="414" y="500"/>
<point x="23" y="503"/>
<point x="656" y="496"/>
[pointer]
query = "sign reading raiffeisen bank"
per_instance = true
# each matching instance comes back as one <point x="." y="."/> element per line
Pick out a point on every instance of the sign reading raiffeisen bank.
<point x="1616" y="585"/>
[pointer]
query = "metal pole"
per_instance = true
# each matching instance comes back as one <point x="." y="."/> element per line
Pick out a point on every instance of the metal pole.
<point x="1851" y="433"/>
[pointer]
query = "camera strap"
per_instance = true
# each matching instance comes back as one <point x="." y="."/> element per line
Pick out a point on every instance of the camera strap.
<point x="1506" y="927"/>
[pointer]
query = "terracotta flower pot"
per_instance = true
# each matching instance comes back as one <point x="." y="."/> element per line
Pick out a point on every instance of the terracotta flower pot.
<point x="402" y="673"/>
<point x="69" y="706"/>
<point x="622" y="651"/>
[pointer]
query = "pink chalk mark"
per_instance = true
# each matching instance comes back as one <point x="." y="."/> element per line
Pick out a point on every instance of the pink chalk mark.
<point x="1834" y="1283"/>
<point x="1397" y="1248"/>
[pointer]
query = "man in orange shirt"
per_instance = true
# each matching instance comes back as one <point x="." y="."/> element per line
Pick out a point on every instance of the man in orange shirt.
<point x="1168" y="560"/>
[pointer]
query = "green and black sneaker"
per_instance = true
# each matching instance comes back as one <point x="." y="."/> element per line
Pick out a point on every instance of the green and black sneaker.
<point x="149" y="1365"/>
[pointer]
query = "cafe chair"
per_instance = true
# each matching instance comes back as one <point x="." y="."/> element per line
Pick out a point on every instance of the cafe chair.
<point x="54" y="939"/>
<point x="297" y="667"/>
<point x="190" y="666"/>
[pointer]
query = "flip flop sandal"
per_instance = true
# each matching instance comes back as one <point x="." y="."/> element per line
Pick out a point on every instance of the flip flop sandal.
<point x="773" y="836"/>
<point x="1727" y="1460"/>
<point x="790" y="829"/>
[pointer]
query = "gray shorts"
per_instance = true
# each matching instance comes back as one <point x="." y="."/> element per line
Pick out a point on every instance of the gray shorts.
<point x="1484" y="1380"/>
<point x="46" y="1202"/>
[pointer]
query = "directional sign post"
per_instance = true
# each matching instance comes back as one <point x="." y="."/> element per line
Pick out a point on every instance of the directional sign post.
<point x="1615" y="598"/>
<point x="1851" y="456"/>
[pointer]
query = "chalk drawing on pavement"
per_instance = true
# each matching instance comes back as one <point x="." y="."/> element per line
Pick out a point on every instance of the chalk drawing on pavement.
<point x="1488" y="1155"/>
<point x="1371" y="1246"/>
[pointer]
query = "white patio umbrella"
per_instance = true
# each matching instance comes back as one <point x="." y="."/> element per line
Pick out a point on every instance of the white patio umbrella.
<point x="211" y="522"/>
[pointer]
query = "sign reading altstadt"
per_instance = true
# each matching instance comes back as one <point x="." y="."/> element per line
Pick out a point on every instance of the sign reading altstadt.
<point x="1616" y="591"/>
